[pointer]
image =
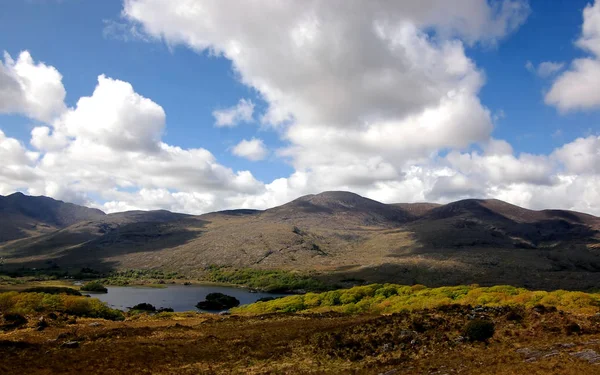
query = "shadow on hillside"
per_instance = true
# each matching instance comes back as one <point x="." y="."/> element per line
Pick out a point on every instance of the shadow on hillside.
<point x="478" y="226"/>
<point x="483" y="276"/>
<point x="76" y="250"/>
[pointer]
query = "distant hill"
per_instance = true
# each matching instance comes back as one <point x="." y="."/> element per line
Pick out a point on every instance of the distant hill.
<point x="23" y="216"/>
<point x="340" y="235"/>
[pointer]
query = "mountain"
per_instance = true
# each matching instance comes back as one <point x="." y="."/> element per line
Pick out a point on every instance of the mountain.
<point x="24" y="216"/>
<point x="341" y="236"/>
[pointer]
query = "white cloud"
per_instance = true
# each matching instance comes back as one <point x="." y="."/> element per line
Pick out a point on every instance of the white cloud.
<point x="109" y="146"/>
<point x="580" y="157"/>
<point x="17" y="169"/>
<point x="32" y="89"/>
<point x="577" y="88"/>
<point x="253" y="149"/>
<point x="117" y="117"/>
<point x="545" y="69"/>
<point x="230" y="117"/>
<point x="367" y="97"/>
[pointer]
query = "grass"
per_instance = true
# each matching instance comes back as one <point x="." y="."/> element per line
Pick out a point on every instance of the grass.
<point x="412" y="342"/>
<point x="391" y="298"/>
<point x="42" y="303"/>
<point x="266" y="280"/>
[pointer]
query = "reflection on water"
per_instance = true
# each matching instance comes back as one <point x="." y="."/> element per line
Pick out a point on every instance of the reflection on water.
<point x="177" y="297"/>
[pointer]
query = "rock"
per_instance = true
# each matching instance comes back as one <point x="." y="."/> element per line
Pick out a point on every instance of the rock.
<point x="391" y="372"/>
<point x="223" y="313"/>
<point x="566" y="345"/>
<point x="42" y="324"/>
<point x="531" y="355"/>
<point x="95" y="324"/>
<point x="387" y="347"/>
<point x="70" y="344"/>
<point x="551" y="354"/>
<point x="589" y="355"/>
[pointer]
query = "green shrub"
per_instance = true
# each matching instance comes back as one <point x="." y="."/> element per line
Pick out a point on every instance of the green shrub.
<point x="52" y="290"/>
<point x="390" y="298"/>
<point x="144" y="307"/>
<point x="94" y="286"/>
<point x="218" y="301"/>
<point x="266" y="280"/>
<point x="479" y="330"/>
<point x="43" y="303"/>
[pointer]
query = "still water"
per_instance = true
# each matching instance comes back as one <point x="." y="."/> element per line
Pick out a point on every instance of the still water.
<point x="177" y="297"/>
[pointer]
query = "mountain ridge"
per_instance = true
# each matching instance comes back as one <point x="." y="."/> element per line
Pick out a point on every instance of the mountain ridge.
<point x="339" y="234"/>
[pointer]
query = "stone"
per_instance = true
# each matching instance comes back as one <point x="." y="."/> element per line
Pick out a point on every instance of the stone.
<point x="70" y="344"/>
<point x="589" y="355"/>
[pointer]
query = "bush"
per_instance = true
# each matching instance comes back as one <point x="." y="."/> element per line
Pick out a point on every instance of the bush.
<point x="218" y="301"/>
<point x="52" y="290"/>
<point x="94" y="286"/>
<point x="390" y="298"/>
<point x="479" y="330"/>
<point x="15" y="320"/>
<point x="144" y="307"/>
<point x="43" y="303"/>
<point x="266" y="280"/>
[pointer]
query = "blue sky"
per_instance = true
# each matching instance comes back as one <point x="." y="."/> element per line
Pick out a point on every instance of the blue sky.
<point x="70" y="35"/>
<point x="163" y="61"/>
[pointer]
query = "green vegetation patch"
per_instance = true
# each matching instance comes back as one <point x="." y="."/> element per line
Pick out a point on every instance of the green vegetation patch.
<point x="94" y="286"/>
<point x="391" y="298"/>
<point x="130" y="277"/>
<point x="267" y="280"/>
<point x="41" y="303"/>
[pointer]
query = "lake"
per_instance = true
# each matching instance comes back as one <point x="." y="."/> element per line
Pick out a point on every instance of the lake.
<point x="177" y="297"/>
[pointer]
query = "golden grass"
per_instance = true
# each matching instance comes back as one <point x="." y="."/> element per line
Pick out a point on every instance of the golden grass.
<point x="418" y="342"/>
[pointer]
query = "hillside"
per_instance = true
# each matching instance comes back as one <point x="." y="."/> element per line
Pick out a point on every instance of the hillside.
<point x="341" y="236"/>
<point x="25" y="216"/>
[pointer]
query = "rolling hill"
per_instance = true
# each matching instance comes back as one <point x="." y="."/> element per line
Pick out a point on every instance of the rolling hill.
<point x="339" y="235"/>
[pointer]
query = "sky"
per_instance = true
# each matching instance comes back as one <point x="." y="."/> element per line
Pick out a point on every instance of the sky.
<point x="201" y="105"/>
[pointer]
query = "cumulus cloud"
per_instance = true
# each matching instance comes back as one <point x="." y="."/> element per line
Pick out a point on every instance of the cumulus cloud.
<point x="17" y="169"/>
<point x="253" y="149"/>
<point x="375" y="97"/>
<point x="230" y="117"/>
<point x="577" y="88"/>
<point x="109" y="146"/>
<point x="31" y="89"/>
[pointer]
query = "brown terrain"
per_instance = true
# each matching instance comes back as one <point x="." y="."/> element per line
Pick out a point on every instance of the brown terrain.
<point x="337" y="235"/>
<point x="525" y="341"/>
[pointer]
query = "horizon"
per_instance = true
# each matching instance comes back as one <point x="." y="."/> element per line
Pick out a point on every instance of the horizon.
<point x="264" y="209"/>
<point x="198" y="106"/>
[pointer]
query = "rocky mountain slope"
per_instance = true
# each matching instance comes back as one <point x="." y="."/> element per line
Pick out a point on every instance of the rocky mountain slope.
<point x="341" y="236"/>
<point x="25" y="216"/>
